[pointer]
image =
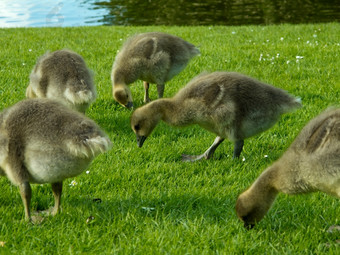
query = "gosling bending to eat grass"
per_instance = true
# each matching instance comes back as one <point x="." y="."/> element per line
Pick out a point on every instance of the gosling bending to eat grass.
<point x="231" y="105"/>
<point x="311" y="163"/>
<point x="152" y="57"/>
<point x="43" y="141"/>
<point x="63" y="75"/>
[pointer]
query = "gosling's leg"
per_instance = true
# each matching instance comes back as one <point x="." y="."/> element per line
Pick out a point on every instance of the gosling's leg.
<point x="207" y="154"/>
<point x="146" y="94"/>
<point x="160" y="90"/>
<point x="56" y="189"/>
<point x="238" y="148"/>
<point x="26" y="194"/>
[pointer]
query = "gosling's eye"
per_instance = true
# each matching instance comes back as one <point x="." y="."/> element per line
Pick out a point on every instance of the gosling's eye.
<point x="137" y="127"/>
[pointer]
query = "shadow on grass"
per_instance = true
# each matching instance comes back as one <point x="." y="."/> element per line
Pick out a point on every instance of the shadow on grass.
<point x="173" y="209"/>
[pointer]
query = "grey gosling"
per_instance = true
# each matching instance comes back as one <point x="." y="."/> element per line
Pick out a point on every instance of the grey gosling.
<point x="311" y="163"/>
<point x="152" y="57"/>
<point x="228" y="104"/>
<point x="43" y="141"/>
<point x="63" y="75"/>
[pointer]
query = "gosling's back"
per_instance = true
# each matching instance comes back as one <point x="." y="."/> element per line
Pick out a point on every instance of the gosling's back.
<point x="234" y="101"/>
<point x="64" y="76"/>
<point x="153" y="57"/>
<point x="49" y="141"/>
<point x="312" y="162"/>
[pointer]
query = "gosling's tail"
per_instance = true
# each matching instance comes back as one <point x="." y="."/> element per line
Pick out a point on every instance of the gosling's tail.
<point x="89" y="147"/>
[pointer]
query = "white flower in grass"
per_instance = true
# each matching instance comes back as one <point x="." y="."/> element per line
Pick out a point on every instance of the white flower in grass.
<point x="243" y="159"/>
<point x="265" y="156"/>
<point x="87" y="172"/>
<point x="281" y="38"/>
<point x="233" y="32"/>
<point x="73" y="183"/>
<point x="315" y="35"/>
<point x="23" y="64"/>
<point x="308" y="42"/>
<point x="261" y="55"/>
<point x="30" y="50"/>
<point x="288" y="61"/>
<point x="299" y="57"/>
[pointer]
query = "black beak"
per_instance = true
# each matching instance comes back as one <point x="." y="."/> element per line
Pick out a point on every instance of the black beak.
<point x="140" y="140"/>
<point x="249" y="226"/>
<point x="129" y="105"/>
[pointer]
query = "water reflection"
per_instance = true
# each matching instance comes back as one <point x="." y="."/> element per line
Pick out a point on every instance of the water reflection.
<point x="218" y="12"/>
<point x="38" y="13"/>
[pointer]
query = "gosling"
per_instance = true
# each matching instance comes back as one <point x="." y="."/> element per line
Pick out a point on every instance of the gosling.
<point x="43" y="141"/>
<point x="63" y="75"/>
<point x="152" y="57"/>
<point x="228" y="104"/>
<point x="311" y="163"/>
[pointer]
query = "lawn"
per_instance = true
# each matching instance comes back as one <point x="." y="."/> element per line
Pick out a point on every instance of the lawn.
<point x="145" y="200"/>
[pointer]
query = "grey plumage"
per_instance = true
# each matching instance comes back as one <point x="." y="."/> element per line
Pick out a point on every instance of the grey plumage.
<point x="311" y="163"/>
<point x="63" y="75"/>
<point x="42" y="141"/>
<point x="231" y="105"/>
<point x="152" y="57"/>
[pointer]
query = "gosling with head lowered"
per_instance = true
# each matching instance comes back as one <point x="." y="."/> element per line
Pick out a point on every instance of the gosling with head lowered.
<point x="152" y="57"/>
<point x="43" y="141"/>
<point x="231" y="105"/>
<point x="311" y="163"/>
<point x="63" y="75"/>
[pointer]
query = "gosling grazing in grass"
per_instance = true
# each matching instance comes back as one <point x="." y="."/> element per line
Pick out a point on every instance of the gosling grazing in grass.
<point x="43" y="141"/>
<point x="230" y="105"/>
<point x="62" y="75"/>
<point x="311" y="163"/>
<point x="152" y="57"/>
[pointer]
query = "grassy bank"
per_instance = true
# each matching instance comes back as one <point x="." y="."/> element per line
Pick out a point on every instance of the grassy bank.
<point x="151" y="202"/>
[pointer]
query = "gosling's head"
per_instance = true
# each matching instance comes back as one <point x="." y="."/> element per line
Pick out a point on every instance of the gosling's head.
<point x="143" y="122"/>
<point x="122" y="94"/>
<point x="251" y="209"/>
<point x="248" y="212"/>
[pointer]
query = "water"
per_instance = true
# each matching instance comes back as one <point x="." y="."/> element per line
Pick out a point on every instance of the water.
<point x="41" y="13"/>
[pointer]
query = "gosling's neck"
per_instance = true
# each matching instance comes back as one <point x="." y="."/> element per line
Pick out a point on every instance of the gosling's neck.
<point x="168" y="111"/>
<point x="265" y="188"/>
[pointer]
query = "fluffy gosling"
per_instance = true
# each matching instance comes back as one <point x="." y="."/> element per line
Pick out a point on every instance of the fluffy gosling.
<point x="230" y="105"/>
<point x="63" y="75"/>
<point x="152" y="57"/>
<point x="311" y="163"/>
<point x="43" y="141"/>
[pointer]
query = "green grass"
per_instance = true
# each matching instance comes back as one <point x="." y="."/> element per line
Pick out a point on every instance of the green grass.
<point x="152" y="203"/>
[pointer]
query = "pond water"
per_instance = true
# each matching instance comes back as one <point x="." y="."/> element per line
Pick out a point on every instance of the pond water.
<point x="40" y="13"/>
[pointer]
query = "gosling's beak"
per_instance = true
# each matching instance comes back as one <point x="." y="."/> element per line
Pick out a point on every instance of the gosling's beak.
<point x="249" y="226"/>
<point x="140" y="140"/>
<point x="129" y="105"/>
